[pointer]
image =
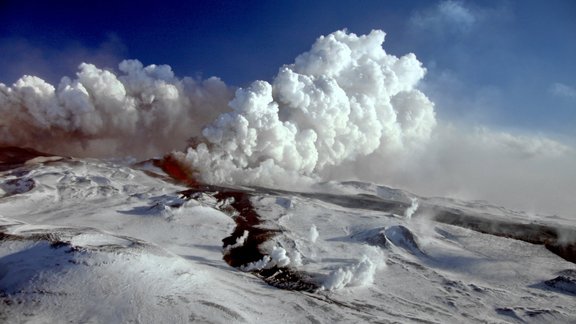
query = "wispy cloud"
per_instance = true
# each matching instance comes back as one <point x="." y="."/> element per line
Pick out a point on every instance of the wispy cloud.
<point x="563" y="90"/>
<point x="447" y="15"/>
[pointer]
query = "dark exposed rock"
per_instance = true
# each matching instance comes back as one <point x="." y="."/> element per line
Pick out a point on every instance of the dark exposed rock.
<point x="566" y="281"/>
<point x="402" y="237"/>
<point x="14" y="157"/>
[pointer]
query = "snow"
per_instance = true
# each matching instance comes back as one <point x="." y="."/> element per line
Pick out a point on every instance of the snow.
<point x="107" y="241"/>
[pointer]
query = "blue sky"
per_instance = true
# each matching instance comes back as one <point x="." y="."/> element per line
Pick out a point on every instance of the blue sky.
<point x="505" y="64"/>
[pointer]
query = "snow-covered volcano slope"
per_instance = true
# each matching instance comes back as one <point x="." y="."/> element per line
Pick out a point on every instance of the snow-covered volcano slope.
<point x="106" y="242"/>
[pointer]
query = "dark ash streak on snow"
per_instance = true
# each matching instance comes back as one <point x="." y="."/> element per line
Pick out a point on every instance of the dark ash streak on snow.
<point x="237" y="204"/>
<point x="551" y="237"/>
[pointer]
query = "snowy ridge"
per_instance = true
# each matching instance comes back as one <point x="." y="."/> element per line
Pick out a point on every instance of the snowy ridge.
<point x="48" y="264"/>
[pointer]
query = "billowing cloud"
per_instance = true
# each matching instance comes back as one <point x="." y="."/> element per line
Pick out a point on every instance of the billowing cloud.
<point x="341" y="101"/>
<point x="343" y="110"/>
<point x="141" y="111"/>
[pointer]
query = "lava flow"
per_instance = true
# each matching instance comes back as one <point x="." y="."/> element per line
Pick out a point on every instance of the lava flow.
<point x="237" y="204"/>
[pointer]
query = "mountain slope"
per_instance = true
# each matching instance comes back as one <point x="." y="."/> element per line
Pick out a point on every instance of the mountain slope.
<point x="107" y="241"/>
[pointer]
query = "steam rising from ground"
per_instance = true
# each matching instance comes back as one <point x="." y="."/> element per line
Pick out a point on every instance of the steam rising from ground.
<point x="345" y="109"/>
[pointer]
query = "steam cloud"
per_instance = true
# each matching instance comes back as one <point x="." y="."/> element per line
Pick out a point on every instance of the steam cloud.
<point x="344" y="99"/>
<point x="341" y="101"/>
<point x="345" y="109"/>
<point x="144" y="111"/>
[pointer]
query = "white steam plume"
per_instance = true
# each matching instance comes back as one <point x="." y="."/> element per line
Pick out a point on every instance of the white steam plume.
<point x="343" y="110"/>
<point x="341" y="101"/>
<point x="142" y="111"/>
<point x="412" y="209"/>
<point x="313" y="234"/>
<point x="344" y="99"/>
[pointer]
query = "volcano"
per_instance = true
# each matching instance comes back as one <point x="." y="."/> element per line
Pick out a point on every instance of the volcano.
<point x="116" y="241"/>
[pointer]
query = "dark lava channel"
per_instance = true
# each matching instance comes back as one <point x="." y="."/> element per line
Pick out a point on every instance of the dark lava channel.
<point x="237" y="204"/>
